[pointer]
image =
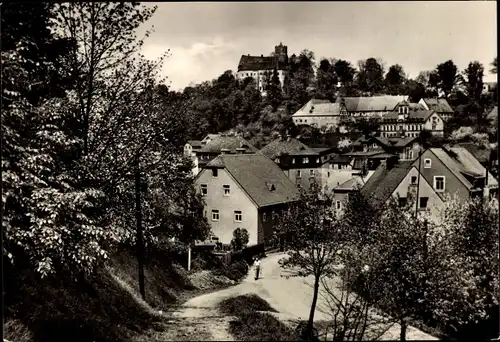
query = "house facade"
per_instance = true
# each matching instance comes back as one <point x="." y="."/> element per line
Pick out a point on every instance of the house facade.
<point x="410" y="121"/>
<point x="367" y="107"/>
<point x="300" y="163"/>
<point x="440" y="106"/>
<point x="320" y="113"/>
<point x="222" y="143"/>
<point x="244" y="191"/>
<point x="190" y="149"/>
<point x="261" y="68"/>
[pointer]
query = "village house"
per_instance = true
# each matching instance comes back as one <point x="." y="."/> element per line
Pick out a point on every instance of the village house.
<point x="261" y="68"/>
<point x="367" y="107"/>
<point x="320" y="113"/>
<point x="342" y="191"/>
<point x="190" y="149"/>
<point x="301" y="164"/>
<point x="440" y="106"/>
<point x="409" y="121"/>
<point x="443" y="171"/>
<point x="223" y="143"/>
<point x="247" y="191"/>
<point x="406" y="148"/>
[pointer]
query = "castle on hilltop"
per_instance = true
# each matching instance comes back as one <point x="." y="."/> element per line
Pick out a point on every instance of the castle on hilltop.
<point x="261" y="67"/>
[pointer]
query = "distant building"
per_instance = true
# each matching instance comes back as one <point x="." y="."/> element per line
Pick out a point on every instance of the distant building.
<point x="247" y="191"/>
<point x="301" y="164"/>
<point x="440" y="106"/>
<point x="214" y="145"/>
<point x="368" y="107"/>
<point x="190" y="149"/>
<point x="319" y="113"/>
<point x="261" y="68"/>
<point x="409" y="121"/>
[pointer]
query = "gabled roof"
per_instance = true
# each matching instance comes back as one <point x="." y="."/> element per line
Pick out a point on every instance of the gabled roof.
<point x="438" y="105"/>
<point x="461" y="163"/>
<point x="422" y="115"/>
<point x="479" y="152"/>
<point x="285" y="146"/>
<point x="227" y="142"/>
<point x="369" y="104"/>
<point x="264" y="182"/>
<point x="396" y="141"/>
<point x="384" y="181"/>
<point x="318" y="107"/>
<point x="194" y="143"/>
<point x="254" y="63"/>
<point x="340" y="159"/>
<point x="351" y="184"/>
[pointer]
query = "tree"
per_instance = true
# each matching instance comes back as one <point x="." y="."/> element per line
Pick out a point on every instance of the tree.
<point x="474" y="80"/>
<point x="312" y="236"/>
<point x="370" y="77"/>
<point x="326" y="81"/>
<point x="240" y="239"/>
<point x="416" y="91"/>
<point x="494" y="65"/>
<point x="448" y="77"/>
<point x="274" y="93"/>
<point x="395" y="80"/>
<point x="300" y="80"/>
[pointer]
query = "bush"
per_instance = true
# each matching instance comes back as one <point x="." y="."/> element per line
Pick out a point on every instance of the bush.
<point x="255" y="326"/>
<point x="15" y="330"/>
<point x="243" y="304"/>
<point x="236" y="271"/>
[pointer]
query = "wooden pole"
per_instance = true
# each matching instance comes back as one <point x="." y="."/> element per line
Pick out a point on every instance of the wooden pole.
<point x="139" y="237"/>
<point x="189" y="258"/>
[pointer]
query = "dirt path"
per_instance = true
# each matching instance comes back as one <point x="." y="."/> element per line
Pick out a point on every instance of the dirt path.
<point x="199" y="319"/>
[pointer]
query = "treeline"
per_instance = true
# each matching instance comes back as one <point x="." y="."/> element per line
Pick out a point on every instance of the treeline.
<point x="226" y="103"/>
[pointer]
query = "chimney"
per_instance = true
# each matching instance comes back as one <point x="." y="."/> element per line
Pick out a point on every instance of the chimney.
<point x="240" y="150"/>
<point x="224" y="151"/>
<point x="261" y="55"/>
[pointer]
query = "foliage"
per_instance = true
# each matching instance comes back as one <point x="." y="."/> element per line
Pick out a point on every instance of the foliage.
<point x="238" y="305"/>
<point x="494" y="65"/>
<point x="447" y="77"/>
<point x="240" y="239"/>
<point x="326" y="81"/>
<point x="395" y="80"/>
<point x="370" y="77"/>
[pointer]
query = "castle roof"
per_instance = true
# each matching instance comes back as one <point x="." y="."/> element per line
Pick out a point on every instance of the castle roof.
<point x="254" y="63"/>
<point x="371" y="104"/>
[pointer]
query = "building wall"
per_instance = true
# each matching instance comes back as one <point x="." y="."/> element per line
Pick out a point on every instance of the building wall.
<point x="434" y="203"/>
<point x="268" y="218"/>
<point x="438" y="168"/>
<point x="237" y="200"/>
<point x="260" y="77"/>
<point x="436" y="128"/>
<point x="318" y="120"/>
<point x="412" y="129"/>
<point x="302" y="177"/>
<point x="333" y="178"/>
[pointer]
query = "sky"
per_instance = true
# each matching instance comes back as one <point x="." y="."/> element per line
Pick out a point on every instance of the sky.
<point x="206" y="39"/>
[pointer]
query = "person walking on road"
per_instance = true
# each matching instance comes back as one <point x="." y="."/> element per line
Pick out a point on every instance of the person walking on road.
<point x="257" y="268"/>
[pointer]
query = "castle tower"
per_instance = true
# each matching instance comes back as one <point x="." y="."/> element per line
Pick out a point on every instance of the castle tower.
<point x="281" y="52"/>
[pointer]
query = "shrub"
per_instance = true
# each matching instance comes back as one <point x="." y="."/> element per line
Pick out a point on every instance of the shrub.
<point x="15" y="330"/>
<point x="243" y="304"/>
<point x="255" y="326"/>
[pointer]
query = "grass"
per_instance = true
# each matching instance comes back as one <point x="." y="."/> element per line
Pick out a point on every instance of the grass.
<point x="251" y="323"/>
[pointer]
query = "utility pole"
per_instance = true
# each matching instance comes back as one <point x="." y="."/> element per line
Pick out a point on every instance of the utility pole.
<point x="418" y="179"/>
<point x="139" y="237"/>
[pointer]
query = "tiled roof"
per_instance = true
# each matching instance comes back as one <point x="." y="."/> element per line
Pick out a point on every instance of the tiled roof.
<point x="438" y="105"/>
<point x="351" y="184"/>
<point x="480" y="153"/>
<point x="363" y="153"/>
<point x="319" y="108"/>
<point x="493" y="113"/>
<point x="340" y="159"/>
<point x="460" y="162"/>
<point x="254" y="63"/>
<point x="194" y="143"/>
<point x="290" y="146"/>
<point x="418" y="114"/>
<point x="371" y="104"/>
<point x="256" y="174"/>
<point x="396" y="141"/>
<point x="227" y="142"/>
<point x="383" y="182"/>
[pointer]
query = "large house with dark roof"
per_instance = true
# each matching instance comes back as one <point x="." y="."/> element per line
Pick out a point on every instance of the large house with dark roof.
<point x="367" y="107"/>
<point x="440" y="106"/>
<point x="409" y="121"/>
<point x="244" y="191"/>
<point x="319" y="113"/>
<point x="222" y="144"/>
<point x="300" y="163"/>
<point x="443" y="171"/>
<point x="260" y="68"/>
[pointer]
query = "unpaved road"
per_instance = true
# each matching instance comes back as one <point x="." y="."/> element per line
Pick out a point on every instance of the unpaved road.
<point x="292" y="297"/>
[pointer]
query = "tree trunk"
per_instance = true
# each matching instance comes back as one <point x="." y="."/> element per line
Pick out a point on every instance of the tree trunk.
<point x="139" y="241"/>
<point x="403" y="329"/>
<point x="310" y="323"/>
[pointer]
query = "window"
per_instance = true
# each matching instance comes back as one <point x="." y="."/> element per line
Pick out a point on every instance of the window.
<point x="423" y="202"/>
<point x="410" y="154"/>
<point x="413" y="179"/>
<point x="311" y="173"/>
<point x="338" y="205"/>
<point x="293" y="160"/>
<point x="215" y="173"/>
<point x="227" y="190"/>
<point x="403" y="201"/>
<point x="273" y="215"/>
<point x="317" y="160"/>
<point x="298" y="174"/>
<point x="305" y="160"/>
<point x="439" y="183"/>
<point x="237" y="216"/>
<point x="328" y="174"/>
<point x="204" y="189"/>
<point x="427" y="163"/>
<point x="215" y="215"/>
<point x="277" y="160"/>
<point x="205" y="213"/>
<point x="264" y="217"/>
